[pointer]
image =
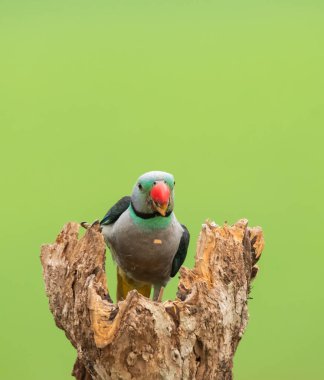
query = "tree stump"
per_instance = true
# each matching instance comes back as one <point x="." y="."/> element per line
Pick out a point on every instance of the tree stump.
<point x="192" y="337"/>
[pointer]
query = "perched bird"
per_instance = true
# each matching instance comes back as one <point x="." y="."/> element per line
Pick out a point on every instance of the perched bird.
<point x="147" y="242"/>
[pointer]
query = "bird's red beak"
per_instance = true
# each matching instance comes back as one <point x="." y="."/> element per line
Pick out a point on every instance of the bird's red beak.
<point x="160" y="195"/>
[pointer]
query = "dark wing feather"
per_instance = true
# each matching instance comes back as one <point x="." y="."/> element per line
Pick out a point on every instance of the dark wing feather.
<point x="117" y="209"/>
<point x="181" y="254"/>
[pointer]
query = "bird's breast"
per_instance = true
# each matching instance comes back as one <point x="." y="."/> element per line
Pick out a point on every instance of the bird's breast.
<point x="145" y="254"/>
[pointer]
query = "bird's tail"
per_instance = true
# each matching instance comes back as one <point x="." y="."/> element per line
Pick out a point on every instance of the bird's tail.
<point x="126" y="284"/>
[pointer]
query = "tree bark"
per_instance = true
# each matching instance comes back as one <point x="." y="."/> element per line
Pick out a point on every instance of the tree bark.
<point x="192" y="337"/>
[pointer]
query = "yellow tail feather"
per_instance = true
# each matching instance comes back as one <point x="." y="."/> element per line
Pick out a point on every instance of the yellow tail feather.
<point x="126" y="284"/>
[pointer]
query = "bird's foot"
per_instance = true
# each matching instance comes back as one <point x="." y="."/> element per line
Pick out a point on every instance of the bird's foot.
<point x="87" y="225"/>
<point x="95" y="222"/>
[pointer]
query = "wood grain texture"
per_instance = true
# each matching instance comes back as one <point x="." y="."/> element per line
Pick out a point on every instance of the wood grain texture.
<point x="192" y="337"/>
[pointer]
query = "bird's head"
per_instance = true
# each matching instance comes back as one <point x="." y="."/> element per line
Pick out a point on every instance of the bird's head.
<point x="153" y="193"/>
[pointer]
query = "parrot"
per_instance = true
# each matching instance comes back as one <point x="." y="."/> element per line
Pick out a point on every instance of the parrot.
<point x="146" y="240"/>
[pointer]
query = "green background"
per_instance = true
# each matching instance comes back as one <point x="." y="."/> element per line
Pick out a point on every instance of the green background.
<point x="226" y="95"/>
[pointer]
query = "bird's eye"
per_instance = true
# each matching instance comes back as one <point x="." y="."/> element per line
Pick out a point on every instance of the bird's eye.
<point x="140" y="186"/>
<point x="154" y="183"/>
<point x="174" y="183"/>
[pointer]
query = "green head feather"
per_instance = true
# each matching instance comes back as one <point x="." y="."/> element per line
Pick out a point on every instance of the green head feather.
<point x="141" y="199"/>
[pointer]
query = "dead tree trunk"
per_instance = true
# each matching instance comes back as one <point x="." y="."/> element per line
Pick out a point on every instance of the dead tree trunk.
<point x="193" y="337"/>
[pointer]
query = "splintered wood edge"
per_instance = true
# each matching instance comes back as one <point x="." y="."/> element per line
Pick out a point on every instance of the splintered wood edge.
<point x="257" y="240"/>
<point x="65" y="252"/>
<point x="69" y="233"/>
<point x="106" y="318"/>
<point x="212" y="234"/>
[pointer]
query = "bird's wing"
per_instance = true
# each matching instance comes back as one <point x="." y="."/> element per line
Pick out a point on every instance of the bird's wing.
<point x="117" y="209"/>
<point x="181" y="254"/>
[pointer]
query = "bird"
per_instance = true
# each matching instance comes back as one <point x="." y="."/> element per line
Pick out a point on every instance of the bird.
<point x="146" y="240"/>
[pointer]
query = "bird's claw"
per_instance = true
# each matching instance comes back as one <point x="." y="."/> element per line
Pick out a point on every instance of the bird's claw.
<point x="95" y="222"/>
<point x="87" y="225"/>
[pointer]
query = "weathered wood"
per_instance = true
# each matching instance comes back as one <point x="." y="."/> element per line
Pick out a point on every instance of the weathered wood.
<point x="192" y="337"/>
